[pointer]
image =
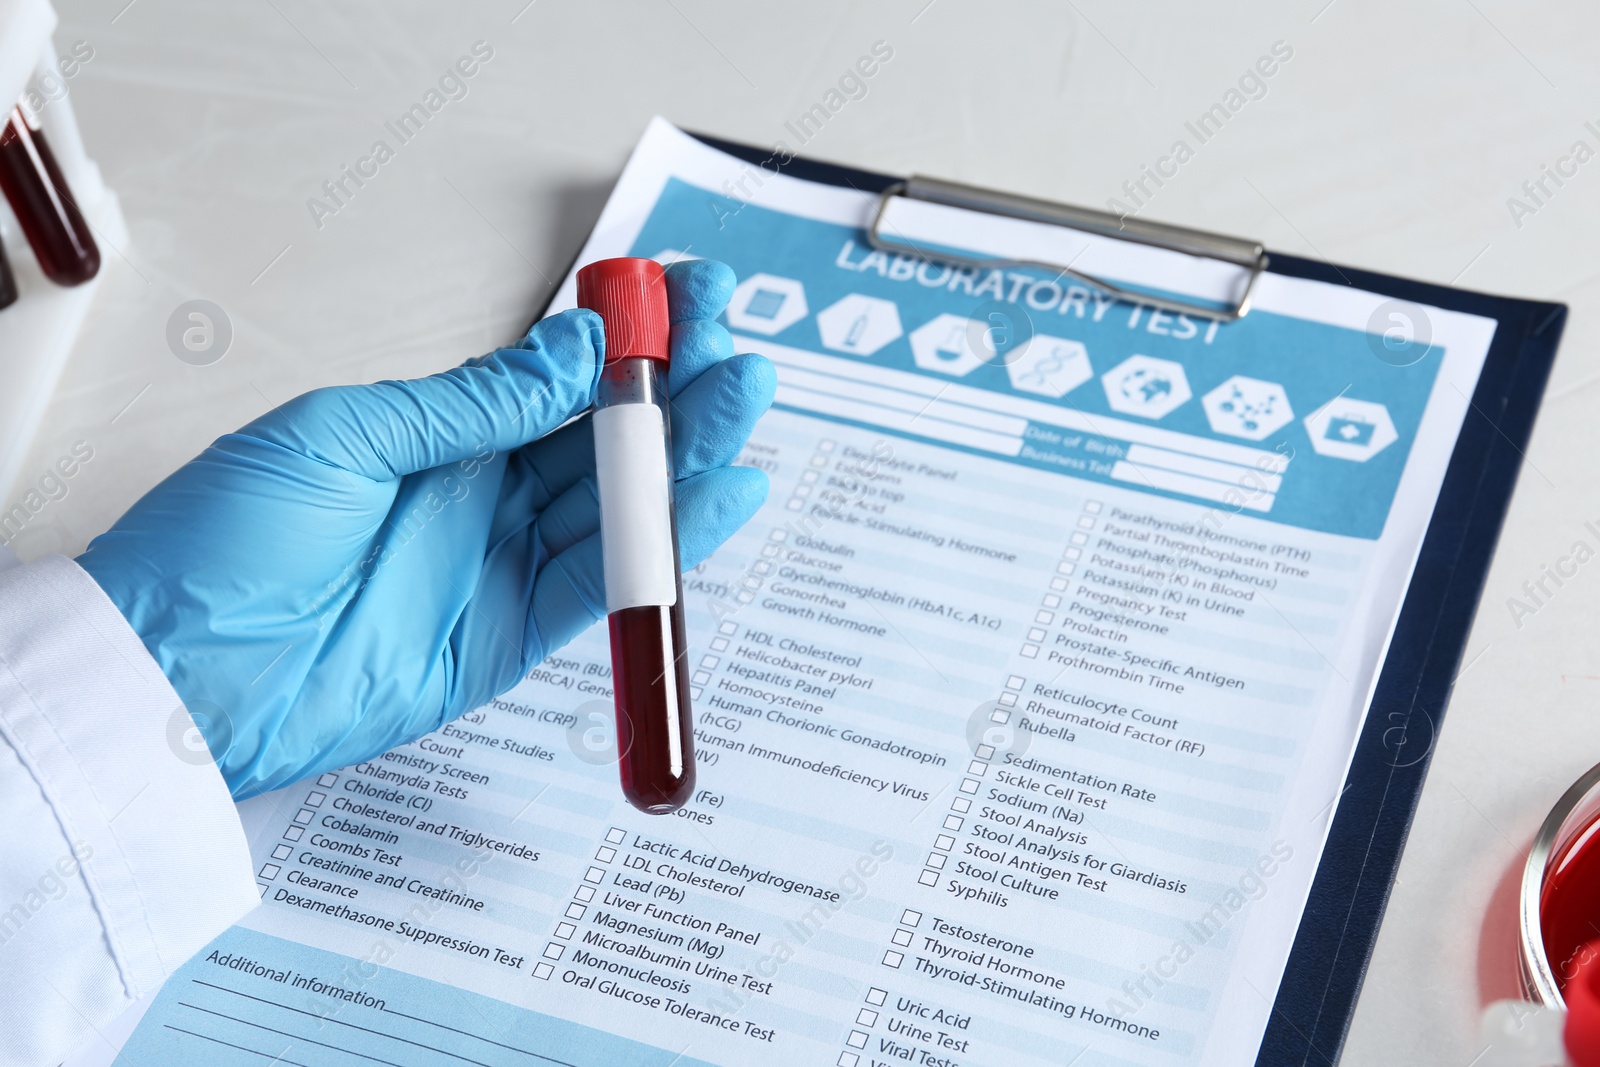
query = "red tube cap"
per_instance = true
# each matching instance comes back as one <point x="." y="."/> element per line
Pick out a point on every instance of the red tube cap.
<point x="631" y="298"/>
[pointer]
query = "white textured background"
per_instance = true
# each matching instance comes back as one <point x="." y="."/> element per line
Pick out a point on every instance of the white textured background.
<point x="1392" y="140"/>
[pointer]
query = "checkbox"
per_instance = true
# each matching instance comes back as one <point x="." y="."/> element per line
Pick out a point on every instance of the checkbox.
<point x="1000" y="715"/>
<point x="709" y="662"/>
<point x="565" y="930"/>
<point x="1065" y="567"/>
<point x="945" y="842"/>
<point x="876" y="996"/>
<point x="1029" y="652"/>
<point x="728" y="628"/>
<point x="1059" y="584"/>
<point x="543" y="971"/>
<point x="802" y="490"/>
<point x="857" y="1039"/>
<point x="606" y="854"/>
<point x="1052" y="601"/>
<point x="744" y="596"/>
<point x="294" y="833"/>
<point x="1092" y="506"/>
<point x="809" y="476"/>
<point x="282" y="852"/>
<point x="269" y="871"/>
<point x="928" y="878"/>
<point x="762" y="567"/>
<point x="779" y="535"/>
<point x="265" y="889"/>
<point x="694" y="692"/>
<point x="1085" y="522"/>
<point x="970" y="785"/>
<point x="719" y="644"/>
<point x="1073" y="553"/>
<point x="936" y="860"/>
<point x="701" y="677"/>
<point x="952" y="822"/>
<point x="911" y="917"/>
<point x="1035" y="634"/>
<point x="866" y="1017"/>
<point x="819" y="461"/>
<point x="575" y="911"/>
<point x="328" y="780"/>
<point x="595" y="875"/>
<point x="893" y="958"/>
<point x="304" y="816"/>
<point x="985" y="752"/>
<point x="961" y="804"/>
<point x="824" y="446"/>
<point x="847" y="1059"/>
<point x="1009" y="700"/>
<point x="1080" y="538"/>
<point x="795" y="504"/>
<point x="976" y="767"/>
<point x="616" y="835"/>
<point x="901" y="937"/>
<point x="584" y="893"/>
<point x="1044" y="617"/>
<point x="1016" y="681"/>
<point x="553" y="951"/>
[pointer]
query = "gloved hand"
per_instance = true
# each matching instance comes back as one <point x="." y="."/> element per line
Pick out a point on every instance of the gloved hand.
<point x="366" y="563"/>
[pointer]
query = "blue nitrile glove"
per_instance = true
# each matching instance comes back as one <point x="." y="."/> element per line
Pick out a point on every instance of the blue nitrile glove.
<point x="365" y="563"/>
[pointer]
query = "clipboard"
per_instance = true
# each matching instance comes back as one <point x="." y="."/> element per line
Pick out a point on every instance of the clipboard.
<point x="1339" y="926"/>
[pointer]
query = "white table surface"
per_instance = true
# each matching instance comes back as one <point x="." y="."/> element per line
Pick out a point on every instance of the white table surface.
<point x="1391" y="140"/>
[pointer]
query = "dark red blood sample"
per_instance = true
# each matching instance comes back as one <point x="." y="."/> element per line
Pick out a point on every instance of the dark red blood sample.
<point x="1569" y="906"/>
<point x="44" y="206"/>
<point x="8" y="281"/>
<point x="654" y="734"/>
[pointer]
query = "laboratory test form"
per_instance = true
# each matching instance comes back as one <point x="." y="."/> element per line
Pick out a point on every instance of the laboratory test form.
<point x="1022" y="707"/>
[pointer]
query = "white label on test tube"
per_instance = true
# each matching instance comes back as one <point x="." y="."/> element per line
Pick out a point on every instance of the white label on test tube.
<point x="630" y="462"/>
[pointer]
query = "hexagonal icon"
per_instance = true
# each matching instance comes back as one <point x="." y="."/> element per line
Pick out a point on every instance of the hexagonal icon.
<point x="952" y="345"/>
<point x="1146" y="386"/>
<point x="859" y="325"/>
<point x="1247" y="407"/>
<point x="1049" y="366"/>
<point x="766" y="304"/>
<point x="1351" y="429"/>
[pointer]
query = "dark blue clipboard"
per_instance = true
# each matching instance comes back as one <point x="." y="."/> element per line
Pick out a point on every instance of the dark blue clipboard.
<point x="1339" y="926"/>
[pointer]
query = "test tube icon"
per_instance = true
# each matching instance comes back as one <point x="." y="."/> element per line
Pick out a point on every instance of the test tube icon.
<point x="639" y="534"/>
<point x="954" y="346"/>
<point x="857" y="329"/>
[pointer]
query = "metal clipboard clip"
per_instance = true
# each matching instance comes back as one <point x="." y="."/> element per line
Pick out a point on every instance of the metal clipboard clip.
<point x="1249" y="255"/>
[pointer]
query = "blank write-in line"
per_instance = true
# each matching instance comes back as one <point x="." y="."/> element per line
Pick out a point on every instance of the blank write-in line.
<point x="295" y="1037"/>
<point x="479" y="1037"/>
<point x="329" y="1018"/>
<point x="380" y="1033"/>
<point x="230" y="1044"/>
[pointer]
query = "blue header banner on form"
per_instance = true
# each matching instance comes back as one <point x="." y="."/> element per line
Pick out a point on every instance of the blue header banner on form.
<point x="1288" y="420"/>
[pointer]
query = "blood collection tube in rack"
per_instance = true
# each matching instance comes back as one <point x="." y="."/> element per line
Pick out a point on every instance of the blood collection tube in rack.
<point x="43" y="204"/>
<point x="639" y="534"/>
<point x="8" y="281"/>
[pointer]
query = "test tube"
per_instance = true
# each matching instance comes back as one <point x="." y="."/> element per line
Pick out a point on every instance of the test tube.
<point x="43" y="203"/>
<point x="8" y="281"/>
<point x="639" y="534"/>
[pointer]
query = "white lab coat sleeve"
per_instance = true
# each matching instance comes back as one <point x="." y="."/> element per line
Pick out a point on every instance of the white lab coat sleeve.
<point x="121" y="853"/>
